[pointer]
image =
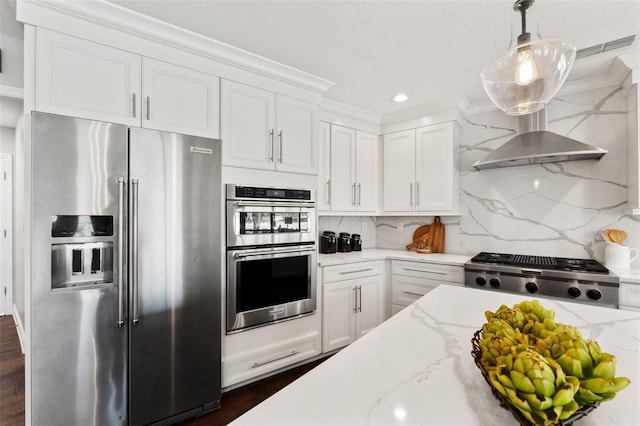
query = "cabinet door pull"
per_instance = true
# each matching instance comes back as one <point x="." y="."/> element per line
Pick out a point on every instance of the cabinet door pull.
<point x="353" y="194"/>
<point x="359" y="298"/>
<point x="134" y="105"/>
<point x="328" y="199"/>
<point x="271" y="133"/>
<point x="353" y="272"/>
<point x="259" y="364"/>
<point x="280" y="150"/>
<point x="359" y="191"/>
<point x="412" y="293"/>
<point x="426" y="272"/>
<point x="411" y="193"/>
<point x="417" y="194"/>
<point x="148" y="108"/>
<point x="355" y="300"/>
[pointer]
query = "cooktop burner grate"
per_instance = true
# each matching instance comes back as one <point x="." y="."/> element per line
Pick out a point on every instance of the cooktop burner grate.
<point x="523" y="259"/>
<point x="541" y="262"/>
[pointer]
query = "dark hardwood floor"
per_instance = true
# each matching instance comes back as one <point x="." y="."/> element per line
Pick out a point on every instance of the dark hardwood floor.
<point x="11" y="374"/>
<point x="233" y="404"/>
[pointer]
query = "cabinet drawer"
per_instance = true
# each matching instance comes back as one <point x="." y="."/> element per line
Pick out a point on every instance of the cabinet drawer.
<point x="431" y="271"/>
<point x="352" y="271"/>
<point x="263" y="360"/>
<point x="406" y="290"/>
<point x="630" y="294"/>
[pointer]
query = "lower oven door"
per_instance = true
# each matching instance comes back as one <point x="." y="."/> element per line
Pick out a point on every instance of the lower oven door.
<point x="267" y="285"/>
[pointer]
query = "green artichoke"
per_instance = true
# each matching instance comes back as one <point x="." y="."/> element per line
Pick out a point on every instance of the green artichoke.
<point x="537" y="386"/>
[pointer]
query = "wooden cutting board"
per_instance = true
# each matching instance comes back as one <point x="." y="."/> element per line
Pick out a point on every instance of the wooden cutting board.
<point x="436" y="240"/>
<point x="421" y="233"/>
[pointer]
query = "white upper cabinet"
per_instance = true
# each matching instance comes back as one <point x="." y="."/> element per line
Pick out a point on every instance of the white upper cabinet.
<point x="80" y="78"/>
<point x="324" y="167"/>
<point x="84" y="79"/>
<point x="262" y="130"/>
<point x="421" y="170"/>
<point x="343" y="172"/>
<point x="179" y="99"/>
<point x="399" y="171"/>
<point x="353" y="182"/>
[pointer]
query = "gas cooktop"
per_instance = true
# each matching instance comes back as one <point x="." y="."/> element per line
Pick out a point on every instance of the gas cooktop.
<point x="577" y="280"/>
<point x="541" y="262"/>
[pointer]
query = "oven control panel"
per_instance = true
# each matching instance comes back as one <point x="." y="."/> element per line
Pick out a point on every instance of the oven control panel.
<point x="237" y="192"/>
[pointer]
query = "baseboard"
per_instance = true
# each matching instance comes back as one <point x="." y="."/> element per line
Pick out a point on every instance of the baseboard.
<point x="19" y="327"/>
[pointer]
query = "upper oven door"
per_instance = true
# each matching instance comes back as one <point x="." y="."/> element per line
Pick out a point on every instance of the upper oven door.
<point x="256" y="223"/>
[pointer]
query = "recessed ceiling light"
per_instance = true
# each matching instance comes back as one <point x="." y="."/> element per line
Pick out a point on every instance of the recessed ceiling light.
<point x="400" y="97"/>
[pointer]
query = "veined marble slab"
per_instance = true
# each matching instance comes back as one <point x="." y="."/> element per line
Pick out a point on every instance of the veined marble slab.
<point x="416" y="369"/>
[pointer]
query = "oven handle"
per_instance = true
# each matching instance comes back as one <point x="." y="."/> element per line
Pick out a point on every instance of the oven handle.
<point x="240" y="205"/>
<point x="249" y="253"/>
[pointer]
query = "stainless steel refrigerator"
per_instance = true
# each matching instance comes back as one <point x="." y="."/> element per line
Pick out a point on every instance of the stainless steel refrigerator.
<point x="125" y="279"/>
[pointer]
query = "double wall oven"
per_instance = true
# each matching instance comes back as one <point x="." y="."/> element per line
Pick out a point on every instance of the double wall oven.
<point x="271" y="255"/>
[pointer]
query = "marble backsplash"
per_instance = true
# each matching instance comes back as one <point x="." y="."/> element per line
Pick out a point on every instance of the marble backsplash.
<point x="556" y="209"/>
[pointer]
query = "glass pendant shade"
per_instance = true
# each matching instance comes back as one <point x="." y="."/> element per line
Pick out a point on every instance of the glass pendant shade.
<point x="526" y="77"/>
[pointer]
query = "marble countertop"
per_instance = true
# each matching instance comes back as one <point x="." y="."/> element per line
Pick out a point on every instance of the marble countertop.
<point x="381" y="254"/>
<point x="416" y="368"/>
<point x="629" y="275"/>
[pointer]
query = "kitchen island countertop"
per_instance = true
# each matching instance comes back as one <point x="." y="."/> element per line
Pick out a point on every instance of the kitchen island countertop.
<point x="416" y="368"/>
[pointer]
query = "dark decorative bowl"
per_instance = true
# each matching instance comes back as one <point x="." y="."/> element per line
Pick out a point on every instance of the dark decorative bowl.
<point x="476" y="351"/>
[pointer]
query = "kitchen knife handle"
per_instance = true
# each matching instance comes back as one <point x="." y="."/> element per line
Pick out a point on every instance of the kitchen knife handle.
<point x="134" y="105"/>
<point x="134" y="250"/>
<point x="148" y="108"/>
<point x="120" y="276"/>
<point x="271" y="133"/>
<point x="417" y="194"/>
<point x="280" y="150"/>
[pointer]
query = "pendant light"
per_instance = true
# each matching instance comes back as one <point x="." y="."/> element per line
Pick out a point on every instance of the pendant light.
<point x="525" y="78"/>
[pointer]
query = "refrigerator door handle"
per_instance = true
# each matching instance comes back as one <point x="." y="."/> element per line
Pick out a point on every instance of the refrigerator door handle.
<point x="120" y="251"/>
<point x="134" y="250"/>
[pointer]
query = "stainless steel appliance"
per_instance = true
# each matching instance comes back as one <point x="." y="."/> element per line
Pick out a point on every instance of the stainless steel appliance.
<point x="125" y="276"/>
<point x="271" y="255"/>
<point x="568" y="279"/>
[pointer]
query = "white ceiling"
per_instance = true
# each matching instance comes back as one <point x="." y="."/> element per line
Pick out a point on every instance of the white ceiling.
<point x="431" y="50"/>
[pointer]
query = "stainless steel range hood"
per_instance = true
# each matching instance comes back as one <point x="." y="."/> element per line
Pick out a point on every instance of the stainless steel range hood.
<point x="534" y="144"/>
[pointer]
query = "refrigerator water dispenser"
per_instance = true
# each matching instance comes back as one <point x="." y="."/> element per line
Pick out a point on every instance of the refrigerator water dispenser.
<point x="81" y="264"/>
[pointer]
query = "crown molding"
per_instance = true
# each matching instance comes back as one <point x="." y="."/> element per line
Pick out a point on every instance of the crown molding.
<point x="349" y="116"/>
<point x="112" y="16"/>
<point x="423" y="115"/>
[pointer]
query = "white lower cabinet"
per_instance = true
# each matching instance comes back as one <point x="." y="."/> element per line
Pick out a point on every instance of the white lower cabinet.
<point x="629" y="296"/>
<point x="412" y="280"/>
<point x="353" y="302"/>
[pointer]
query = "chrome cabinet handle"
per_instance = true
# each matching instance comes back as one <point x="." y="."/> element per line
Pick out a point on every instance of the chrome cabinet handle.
<point x="280" y="150"/>
<point x="120" y="251"/>
<point x="353" y="272"/>
<point x="417" y="194"/>
<point x="353" y="194"/>
<point x="359" y="298"/>
<point x="426" y="272"/>
<point x="148" y="108"/>
<point x="328" y="199"/>
<point x="411" y="193"/>
<point x="355" y="300"/>
<point x="271" y="133"/>
<point x="359" y="191"/>
<point x="134" y="105"/>
<point x="412" y="293"/>
<point x="134" y="250"/>
<point x="258" y="364"/>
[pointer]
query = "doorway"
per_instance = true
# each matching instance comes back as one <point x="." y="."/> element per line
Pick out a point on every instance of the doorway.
<point x="6" y="234"/>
